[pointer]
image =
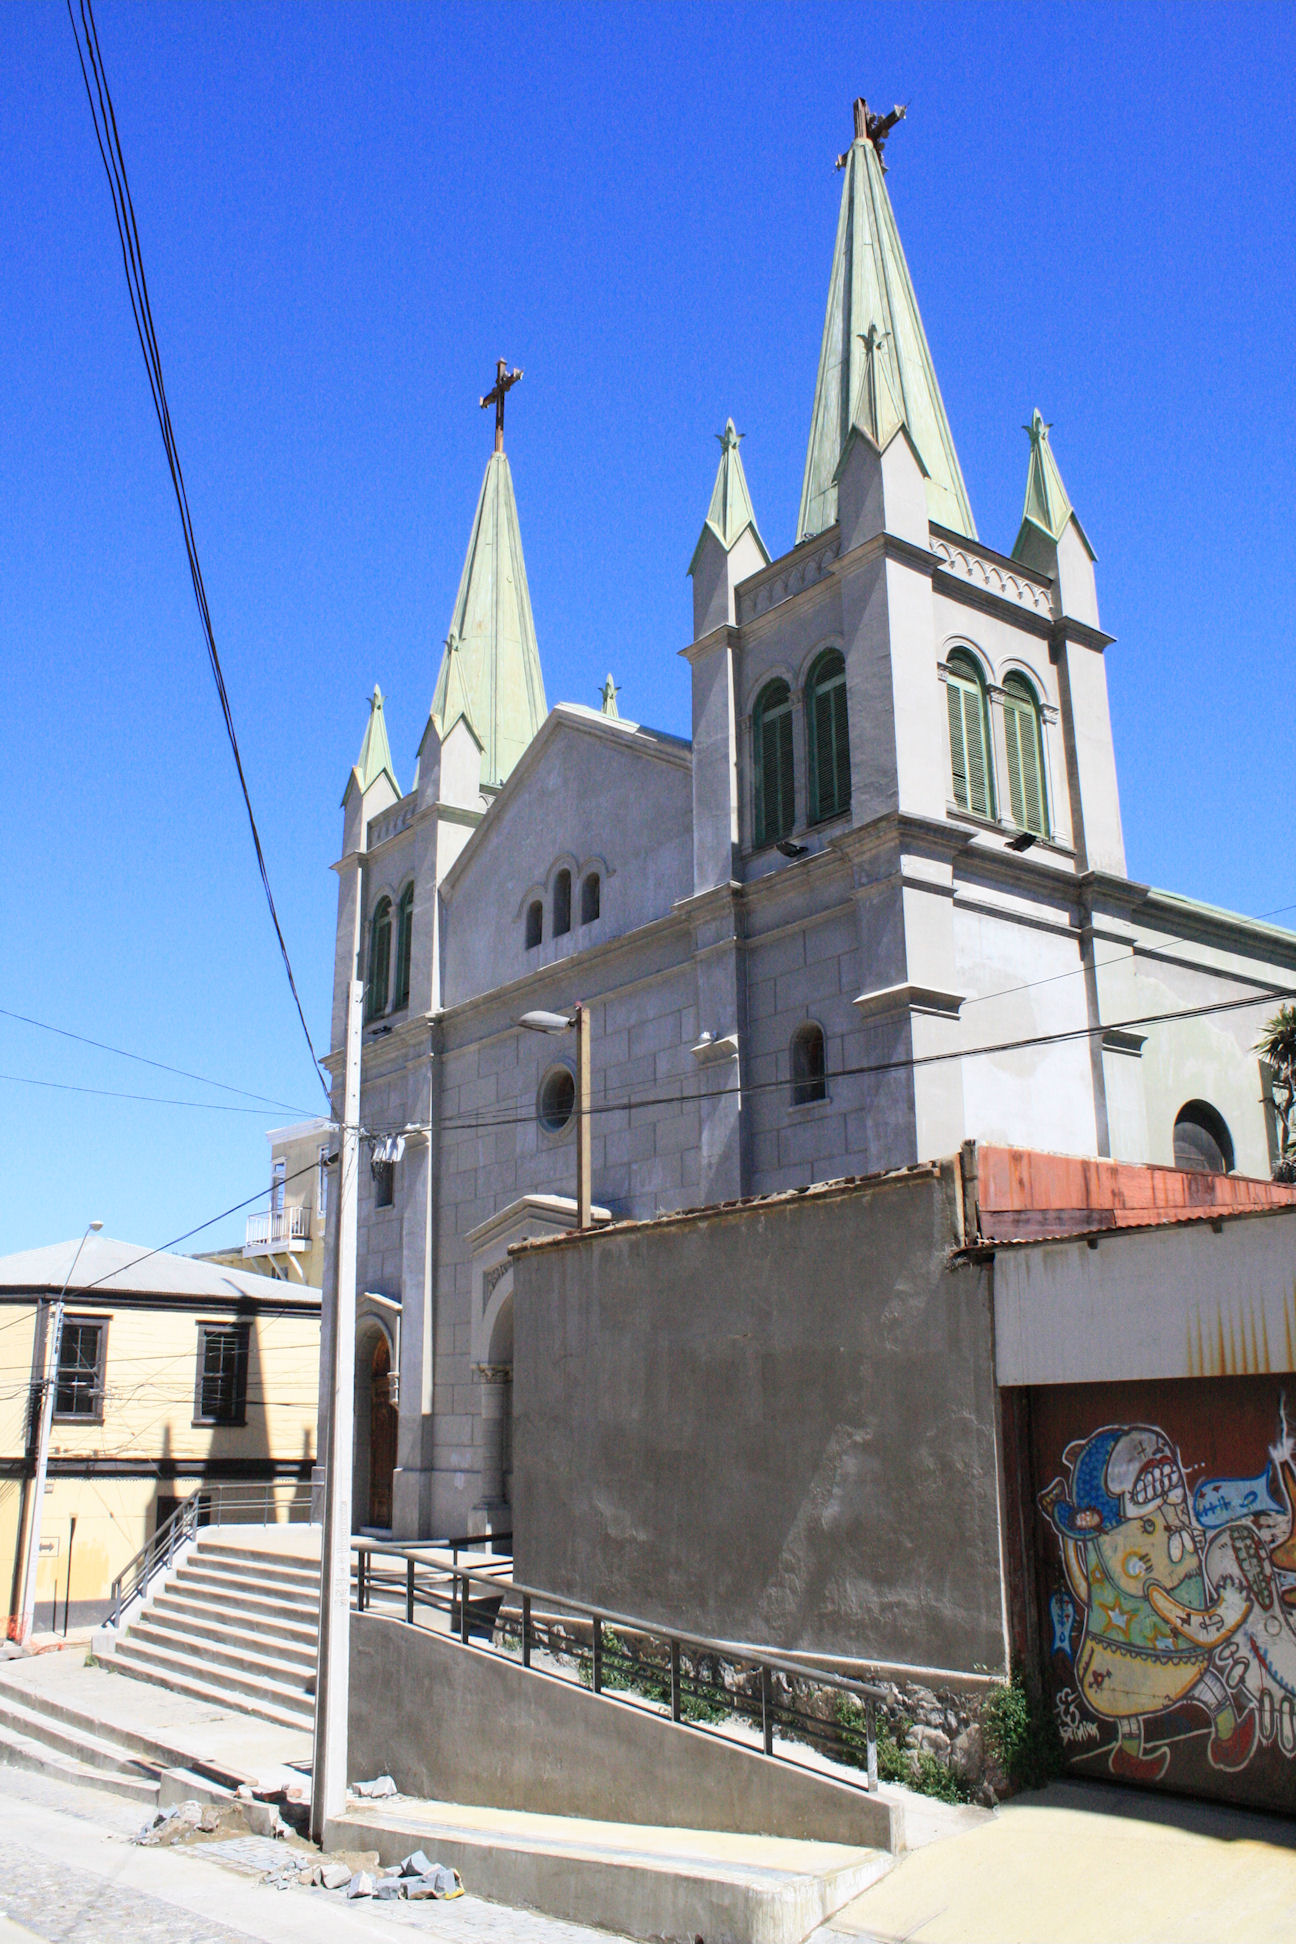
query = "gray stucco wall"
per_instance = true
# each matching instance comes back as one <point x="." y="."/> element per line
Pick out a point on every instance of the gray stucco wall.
<point x="773" y="1423"/>
<point x="454" y="1724"/>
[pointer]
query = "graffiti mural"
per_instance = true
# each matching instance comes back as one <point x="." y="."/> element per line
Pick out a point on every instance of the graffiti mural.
<point x="1170" y="1614"/>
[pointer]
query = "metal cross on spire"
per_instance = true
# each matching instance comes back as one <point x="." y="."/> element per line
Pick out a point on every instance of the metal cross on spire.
<point x="504" y="382"/>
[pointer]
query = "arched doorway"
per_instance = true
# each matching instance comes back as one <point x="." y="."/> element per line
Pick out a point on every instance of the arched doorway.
<point x="382" y="1435"/>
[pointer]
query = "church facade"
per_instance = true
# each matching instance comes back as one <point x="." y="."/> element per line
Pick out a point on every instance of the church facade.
<point x="876" y="907"/>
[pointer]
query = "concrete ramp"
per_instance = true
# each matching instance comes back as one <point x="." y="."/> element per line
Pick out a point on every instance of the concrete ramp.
<point x="456" y="1723"/>
<point x="671" y="1885"/>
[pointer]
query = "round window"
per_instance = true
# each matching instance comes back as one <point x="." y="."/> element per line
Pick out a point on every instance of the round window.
<point x="557" y="1099"/>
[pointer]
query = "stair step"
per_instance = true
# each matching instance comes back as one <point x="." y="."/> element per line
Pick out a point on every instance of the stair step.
<point x="239" y="1650"/>
<point x="255" y="1566"/>
<point x="201" y="1619"/>
<point x="297" y="1562"/>
<point x="26" y="1752"/>
<point x="179" y="1681"/>
<point x="217" y="1573"/>
<point x="292" y="1707"/>
<point x="254" y="1606"/>
<point x="86" y="1746"/>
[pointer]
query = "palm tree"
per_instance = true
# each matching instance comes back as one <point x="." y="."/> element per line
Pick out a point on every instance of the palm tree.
<point x="1277" y="1047"/>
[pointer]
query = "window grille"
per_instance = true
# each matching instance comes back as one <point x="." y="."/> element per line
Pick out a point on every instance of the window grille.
<point x="1202" y="1142"/>
<point x="772" y="753"/>
<point x="384" y="1178"/>
<point x="534" y="923"/>
<point x="221" y="1395"/>
<point x="969" y="733"/>
<point x="78" y="1384"/>
<point x="590" y="895"/>
<point x="828" y="738"/>
<point x="1025" y="743"/>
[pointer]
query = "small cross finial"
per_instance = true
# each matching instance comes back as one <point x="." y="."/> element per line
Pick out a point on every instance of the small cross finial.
<point x="872" y="128"/>
<point x="504" y="382"/>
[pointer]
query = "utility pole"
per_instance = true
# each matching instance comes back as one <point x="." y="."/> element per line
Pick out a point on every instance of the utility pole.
<point x="333" y="1668"/>
<point x="577" y="1020"/>
<point x="581" y="1021"/>
<point x="49" y="1384"/>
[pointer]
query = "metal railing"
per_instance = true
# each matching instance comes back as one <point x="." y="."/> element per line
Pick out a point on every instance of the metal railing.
<point x="263" y="1504"/>
<point x="701" y="1682"/>
<point x="275" y="1228"/>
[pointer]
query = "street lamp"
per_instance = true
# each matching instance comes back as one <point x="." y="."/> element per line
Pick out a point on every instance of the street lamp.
<point x="551" y="1022"/>
<point x="49" y="1385"/>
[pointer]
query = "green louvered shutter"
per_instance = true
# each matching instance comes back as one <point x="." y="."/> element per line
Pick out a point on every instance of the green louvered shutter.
<point x="1025" y="758"/>
<point x="958" y="744"/>
<point x="969" y="743"/>
<point x="829" y="739"/>
<point x="775" y="798"/>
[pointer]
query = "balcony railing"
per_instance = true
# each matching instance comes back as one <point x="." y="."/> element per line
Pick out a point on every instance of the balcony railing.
<point x="277" y="1228"/>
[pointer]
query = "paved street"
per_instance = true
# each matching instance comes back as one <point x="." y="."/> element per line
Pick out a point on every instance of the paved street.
<point x="70" y="1874"/>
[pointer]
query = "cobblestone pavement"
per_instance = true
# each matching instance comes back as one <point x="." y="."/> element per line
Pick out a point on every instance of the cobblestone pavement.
<point x="68" y="1874"/>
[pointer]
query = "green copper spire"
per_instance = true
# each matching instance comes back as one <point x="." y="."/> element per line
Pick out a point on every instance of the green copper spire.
<point x="1048" y="505"/>
<point x="610" y="699"/>
<point x="730" y="512"/>
<point x="491" y="654"/>
<point x="375" y="752"/>
<point x="870" y="295"/>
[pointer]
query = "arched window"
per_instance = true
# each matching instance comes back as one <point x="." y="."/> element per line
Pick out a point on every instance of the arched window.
<point x="562" y="904"/>
<point x="772" y="754"/>
<point x="557" y="1101"/>
<point x="534" y="923"/>
<point x="376" y="984"/>
<point x="1026" y="797"/>
<point x="1202" y="1141"/>
<point x="827" y="737"/>
<point x="969" y="733"/>
<point x="809" y="1067"/>
<point x="590" y="892"/>
<point x="404" y="942"/>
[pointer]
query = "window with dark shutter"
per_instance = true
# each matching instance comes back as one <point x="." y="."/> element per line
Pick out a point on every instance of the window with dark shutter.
<point x="379" y="970"/>
<point x="969" y="729"/>
<point x="828" y="738"/>
<point x="562" y="904"/>
<point x="772" y="750"/>
<point x="1025" y="744"/>
<point x="404" y="947"/>
<point x="221" y="1393"/>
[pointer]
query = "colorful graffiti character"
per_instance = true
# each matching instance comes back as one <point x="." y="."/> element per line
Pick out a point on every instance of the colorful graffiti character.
<point x="1132" y="1558"/>
<point x="1256" y="1559"/>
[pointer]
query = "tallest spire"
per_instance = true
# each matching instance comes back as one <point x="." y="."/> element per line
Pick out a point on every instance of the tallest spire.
<point x="490" y="670"/>
<point x="873" y="319"/>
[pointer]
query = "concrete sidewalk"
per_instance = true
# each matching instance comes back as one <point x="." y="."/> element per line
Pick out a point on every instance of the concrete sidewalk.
<point x="1084" y="1864"/>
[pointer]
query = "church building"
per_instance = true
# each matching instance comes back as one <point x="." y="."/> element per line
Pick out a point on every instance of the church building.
<point x="876" y="907"/>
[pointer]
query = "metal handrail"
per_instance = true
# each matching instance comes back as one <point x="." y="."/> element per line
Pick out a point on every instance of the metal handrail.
<point x="682" y="1686"/>
<point x="202" y="1508"/>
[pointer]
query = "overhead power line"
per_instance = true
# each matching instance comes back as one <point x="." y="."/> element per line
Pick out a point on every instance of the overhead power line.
<point x="183" y="1073"/>
<point x="105" y="126"/>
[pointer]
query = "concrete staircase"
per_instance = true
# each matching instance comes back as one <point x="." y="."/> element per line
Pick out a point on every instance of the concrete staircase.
<point x="235" y="1624"/>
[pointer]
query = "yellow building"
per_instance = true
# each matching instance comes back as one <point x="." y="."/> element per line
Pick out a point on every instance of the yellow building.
<point x="175" y="1375"/>
<point x="286" y="1239"/>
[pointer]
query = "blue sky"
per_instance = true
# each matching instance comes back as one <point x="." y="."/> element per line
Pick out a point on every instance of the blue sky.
<point x="348" y="213"/>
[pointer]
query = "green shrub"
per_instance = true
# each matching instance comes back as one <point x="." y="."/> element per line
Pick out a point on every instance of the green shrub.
<point x="624" y="1671"/>
<point x="1021" y="1736"/>
<point x="896" y="1763"/>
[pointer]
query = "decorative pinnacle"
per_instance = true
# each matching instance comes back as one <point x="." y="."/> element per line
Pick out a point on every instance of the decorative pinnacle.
<point x="504" y="382"/>
<point x="609" y="694"/>
<point x="730" y="439"/>
<point x="872" y="128"/>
